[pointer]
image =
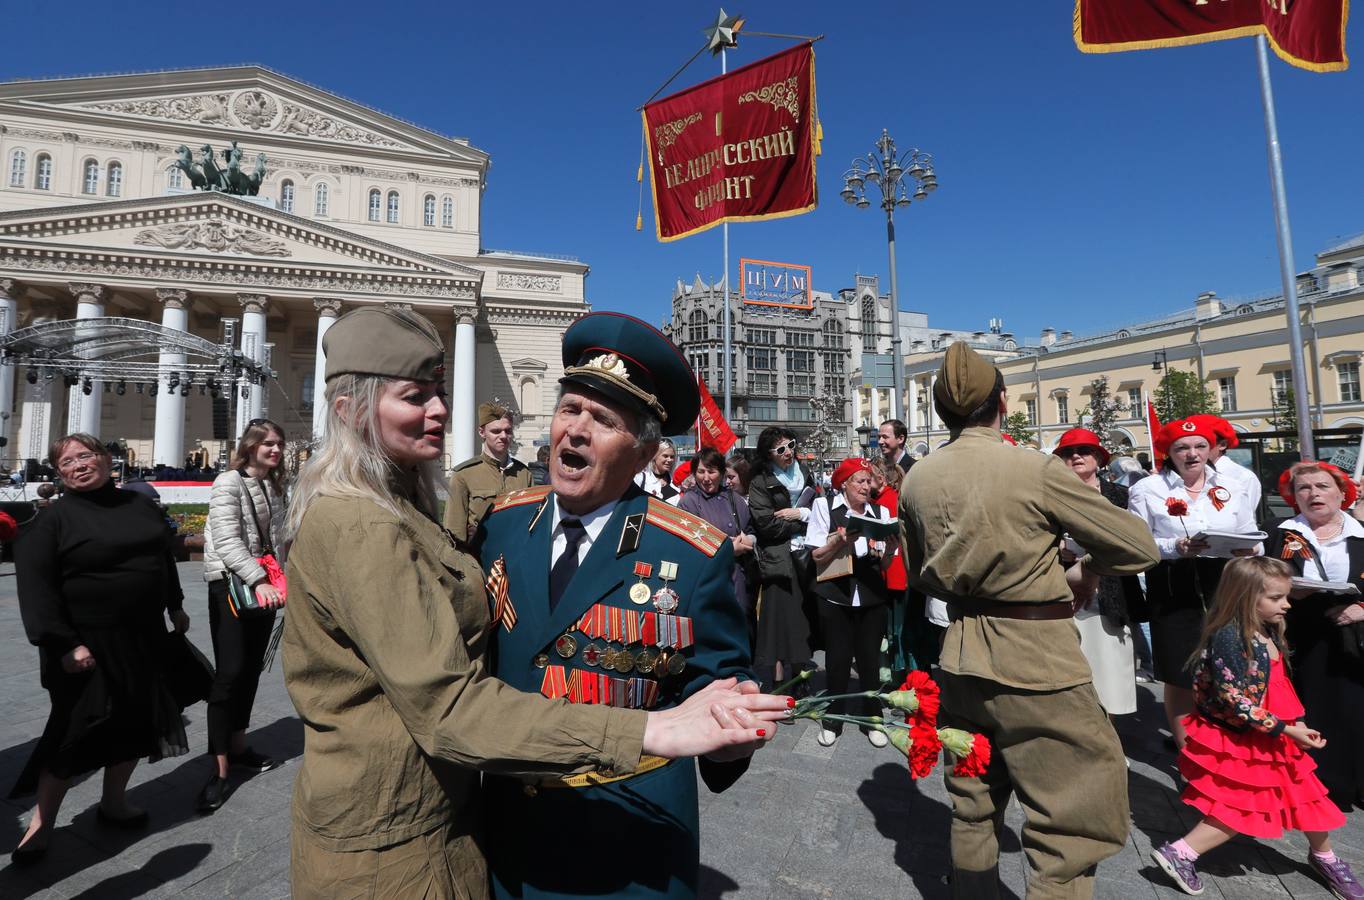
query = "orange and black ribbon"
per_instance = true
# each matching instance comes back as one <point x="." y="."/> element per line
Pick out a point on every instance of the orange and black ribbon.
<point x="503" y="612"/>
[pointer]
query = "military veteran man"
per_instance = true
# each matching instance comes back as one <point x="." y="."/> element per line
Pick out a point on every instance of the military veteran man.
<point x="612" y="597"/>
<point x="981" y="523"/>
<point x="476" y="482"/>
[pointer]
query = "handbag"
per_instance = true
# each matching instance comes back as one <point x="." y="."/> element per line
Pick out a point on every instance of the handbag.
<point x="241" y="597"/>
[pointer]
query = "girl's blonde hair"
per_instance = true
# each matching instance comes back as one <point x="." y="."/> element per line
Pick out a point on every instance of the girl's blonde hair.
<point x="1244" y="581"/>
<point x="350" y="460"/>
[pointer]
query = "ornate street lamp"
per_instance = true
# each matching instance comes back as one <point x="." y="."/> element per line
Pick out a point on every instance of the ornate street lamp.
<point x="901" y="178"/>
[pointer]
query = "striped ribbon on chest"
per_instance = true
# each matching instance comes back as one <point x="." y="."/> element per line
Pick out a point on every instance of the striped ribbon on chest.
<point x="628" y="626"/>
<point x="503" y="612"/>
<point x="581" y="686"/>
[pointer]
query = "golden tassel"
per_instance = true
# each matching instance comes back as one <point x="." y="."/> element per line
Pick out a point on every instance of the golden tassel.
<point x="639" y="176"/>
<point x="819" y="137"/>
<point x="639" y="221"/>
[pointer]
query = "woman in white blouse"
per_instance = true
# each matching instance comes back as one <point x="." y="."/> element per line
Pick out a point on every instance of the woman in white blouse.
<point x="1181" y="500"/>
<point x="852" y="607"/>
<point x="1324" y="544"/>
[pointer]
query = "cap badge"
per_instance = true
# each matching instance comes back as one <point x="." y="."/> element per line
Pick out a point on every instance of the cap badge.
<point x="1189" y="426"/>
<point x="611" y="363"/>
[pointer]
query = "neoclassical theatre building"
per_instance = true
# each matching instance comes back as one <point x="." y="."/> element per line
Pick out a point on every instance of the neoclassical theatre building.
<point x="356" y="208"/>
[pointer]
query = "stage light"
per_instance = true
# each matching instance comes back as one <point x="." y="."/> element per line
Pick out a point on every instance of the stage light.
<point x="32" y="376"/>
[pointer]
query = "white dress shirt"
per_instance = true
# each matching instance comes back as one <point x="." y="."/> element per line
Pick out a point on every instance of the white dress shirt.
<point x="593" y="522"/>
<point x="1147" y="501"/>
<point x="1334" y="553"/>
<point x="1232" y="472"/>
<point x="817" y="532"/>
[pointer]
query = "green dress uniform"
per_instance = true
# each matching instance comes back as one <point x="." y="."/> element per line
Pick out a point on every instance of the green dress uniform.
<point x="638" y="836"/>
<point x="981" y="521"/>
<point x="474" y="485"/>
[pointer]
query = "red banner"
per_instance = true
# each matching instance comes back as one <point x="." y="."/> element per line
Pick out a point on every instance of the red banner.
<point x="1309" y="34"/>
<point x="1152" y="428"/>
<point x="737" y="148"/>
<point x="713" y="430"/>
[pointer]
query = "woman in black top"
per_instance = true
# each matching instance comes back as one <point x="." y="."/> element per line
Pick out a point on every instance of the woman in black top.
<point x="95" y="576"/>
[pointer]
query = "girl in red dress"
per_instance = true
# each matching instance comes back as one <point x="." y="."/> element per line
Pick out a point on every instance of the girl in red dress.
<point x="1244" y="764"/>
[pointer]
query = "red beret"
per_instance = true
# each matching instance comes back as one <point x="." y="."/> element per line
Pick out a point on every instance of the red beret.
<point x="681" y="472"/>
<point x="847" y="469"/>
<point x="1344" y="482"/>
<point x="1082" y="437"/>
<point x="1182" y="428"/>
<point x="1219" y="426"/>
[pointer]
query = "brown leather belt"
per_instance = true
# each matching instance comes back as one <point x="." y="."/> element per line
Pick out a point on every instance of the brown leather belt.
<point x="995" y="609"/>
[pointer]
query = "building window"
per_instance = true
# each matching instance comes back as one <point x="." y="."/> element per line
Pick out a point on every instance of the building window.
<point x="305" y="392"/>
<point x="800" y="338"/>
<point x="800" y="411"/>
<point x="429" y="211"/>
<point x="175" y="179"/>
<point x="763" y="337"/>
<point x="762" y="384"/>
<point x="833" y="335"/>
<point x="761" y="359"/>
<point x="1283" y="383"/>
<point x="1347" y="374"/>
<point x="870" y="316"/>
<point x="113" y="185"/>
<point x="762" y="410"/>
<point x="90" y="177"/>
<point x="286" y="196"/>
<point x="18" y="168"/>
<point x="800" y="360"/>
<point x="800" y="385"/>
<point x="835" y="363"/>
<point x="393" y="207"/>
<point x="1062" y="409"/>
<point x="1134" y="403"/>
<point x="321" y="199"/>
<point x="1226" y="391"/>
<point x="698" y="327"/>
<point x="376" y="201"/>
<point x="1031" y="404"/>
<point x="42" y="177"/>
<point x="835" y="385"/>
<point x="447" y="212"/>
<point x="700" y="362"/>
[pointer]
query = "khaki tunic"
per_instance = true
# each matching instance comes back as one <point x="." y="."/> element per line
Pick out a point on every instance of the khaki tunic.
<point x="383" y="659"/>
<point x="474" y="484"/>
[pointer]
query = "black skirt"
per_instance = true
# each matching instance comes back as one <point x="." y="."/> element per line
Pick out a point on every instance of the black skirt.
<point x="1330" y="682"/>
<point x="122" y="709"/>
<point x="1178" y="593"/>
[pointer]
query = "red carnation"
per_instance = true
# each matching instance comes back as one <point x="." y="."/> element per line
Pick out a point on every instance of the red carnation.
<point x="1176" y="507"/>
<point x="927" y="693"/>
<point x="974" y="764"/>
<point x="8" y="527"/>
<point x="924" y="752"/>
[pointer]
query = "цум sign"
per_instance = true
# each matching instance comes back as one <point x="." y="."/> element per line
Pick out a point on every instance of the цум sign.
<point x="769" y="283"/>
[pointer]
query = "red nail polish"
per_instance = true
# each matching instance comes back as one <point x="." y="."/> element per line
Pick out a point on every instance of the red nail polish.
<point x="790" y="702"/>
<point x="762" y="732"/>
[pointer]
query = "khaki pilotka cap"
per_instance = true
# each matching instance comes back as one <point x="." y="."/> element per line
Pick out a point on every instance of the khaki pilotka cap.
<point x="491" y="412"/>
<point x="394" y="343"/>
<point x="964" y="381"/>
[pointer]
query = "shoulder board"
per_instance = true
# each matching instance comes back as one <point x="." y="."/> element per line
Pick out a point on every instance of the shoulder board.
<point x="522" y="497"/>
<point x="693" y="529"/>
<point x="467" y="464"/>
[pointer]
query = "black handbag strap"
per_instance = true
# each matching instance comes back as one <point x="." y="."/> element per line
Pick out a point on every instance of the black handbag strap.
<point x="266" y="545"/>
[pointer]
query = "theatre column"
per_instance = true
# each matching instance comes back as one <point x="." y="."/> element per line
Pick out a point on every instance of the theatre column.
<point x="912" y="404"/>
<point x="168" y="440"/>
<point x="83" y="410"/>
<point x="9" y="320"/>
<point x="254" y="307"/>
<point x="462" y="399"/>
<point x="327" y="313"/>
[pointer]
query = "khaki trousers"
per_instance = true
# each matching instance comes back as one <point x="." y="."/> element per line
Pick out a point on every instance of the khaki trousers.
<point x="439" y="865"/>
<point x="1058" y="752"/>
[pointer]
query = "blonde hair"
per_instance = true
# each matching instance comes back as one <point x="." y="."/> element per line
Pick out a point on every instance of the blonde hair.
<point x="350" y="461"/>
<point x="1243" y="582"/>
<point x="256" y="433"/>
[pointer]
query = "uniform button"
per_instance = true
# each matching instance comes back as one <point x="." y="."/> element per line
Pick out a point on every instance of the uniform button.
<point x="541" y="660"/>
<point x="530" y="790"/>
<point x="413" y="554"/>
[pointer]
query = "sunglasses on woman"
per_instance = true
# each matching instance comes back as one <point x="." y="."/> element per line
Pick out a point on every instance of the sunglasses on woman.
<point x="782" y="448"/>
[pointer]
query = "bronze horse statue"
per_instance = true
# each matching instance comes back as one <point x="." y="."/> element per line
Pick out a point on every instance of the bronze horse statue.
<point x="206" y="175"/>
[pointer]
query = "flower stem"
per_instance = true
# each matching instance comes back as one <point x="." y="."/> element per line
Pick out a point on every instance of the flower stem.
<point x="786" y="686"/>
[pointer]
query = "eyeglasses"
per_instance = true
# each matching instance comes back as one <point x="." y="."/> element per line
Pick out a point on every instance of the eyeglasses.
<point x="782" y="448"/>
<point x="79" y="459"/>
<point x="1068" y="452"/>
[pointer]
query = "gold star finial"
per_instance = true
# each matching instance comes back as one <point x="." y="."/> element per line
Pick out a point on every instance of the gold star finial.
<point x="724" y="34"/>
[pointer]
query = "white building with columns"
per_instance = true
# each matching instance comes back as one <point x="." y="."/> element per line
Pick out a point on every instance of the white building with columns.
<point x="357" y="208"/>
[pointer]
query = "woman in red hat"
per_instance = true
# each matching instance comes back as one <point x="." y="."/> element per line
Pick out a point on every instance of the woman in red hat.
<point x="851" y="606"/>
<point x="1228" y="469"/>
<point x="1323" y="543"/>
<point x="1186" y="497"/>
<point x="1104" y="617"/>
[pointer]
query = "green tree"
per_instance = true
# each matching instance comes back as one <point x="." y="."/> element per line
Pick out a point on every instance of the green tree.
<point x="1283" y="416"/>
<point x="1181" y="395"/>
<point x="1103" y="413"/>
<point x="1019" y="427"/>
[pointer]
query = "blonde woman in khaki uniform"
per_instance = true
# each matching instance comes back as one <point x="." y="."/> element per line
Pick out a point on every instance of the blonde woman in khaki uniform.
<point x="384" y="645"/>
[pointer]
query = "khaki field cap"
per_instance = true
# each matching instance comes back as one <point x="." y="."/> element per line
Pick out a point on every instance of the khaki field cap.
<point x="395" y="343"/>
<point x="964" y="381"/>
<point x="491" y="412"/>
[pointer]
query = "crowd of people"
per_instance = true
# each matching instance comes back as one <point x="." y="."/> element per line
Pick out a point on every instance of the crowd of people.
<point x="429" y="652"/>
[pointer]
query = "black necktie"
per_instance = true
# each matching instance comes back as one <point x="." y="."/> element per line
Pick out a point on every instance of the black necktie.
<point x="561" y="573"/>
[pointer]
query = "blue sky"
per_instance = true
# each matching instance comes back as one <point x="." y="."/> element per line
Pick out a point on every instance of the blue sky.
<point x="1077" y="191"/>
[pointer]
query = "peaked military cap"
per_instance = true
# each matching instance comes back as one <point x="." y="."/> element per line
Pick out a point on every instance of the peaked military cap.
<point x="632" y="363"/>
<point x="395" y="343"/>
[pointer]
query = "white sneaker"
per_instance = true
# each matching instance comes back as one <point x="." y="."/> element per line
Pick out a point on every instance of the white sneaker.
<point x="877" y="738"/>
<point x="826" y="737"/>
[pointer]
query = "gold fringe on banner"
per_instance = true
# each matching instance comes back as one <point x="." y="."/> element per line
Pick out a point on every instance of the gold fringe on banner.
<point x="639" y="176"/>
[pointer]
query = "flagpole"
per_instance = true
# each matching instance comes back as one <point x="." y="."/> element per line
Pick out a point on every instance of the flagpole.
<point x="1287" y="273"/>
<point x="725" y="361"/>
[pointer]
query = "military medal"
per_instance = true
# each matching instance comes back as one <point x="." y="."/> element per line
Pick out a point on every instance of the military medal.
<point x="676" y="663"/>
<point x="541" y="660"/>
<point x="639" y="591"/>
<point x="665" y="598"/>
<point x="607" y="658"/>
<point x="566" y="645"/>
<point x="625" y="662"/>
<point x="645" y="661"/>
<point x="591" y="654"/>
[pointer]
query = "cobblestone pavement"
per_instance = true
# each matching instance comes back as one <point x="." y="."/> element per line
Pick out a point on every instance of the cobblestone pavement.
<point x="805" y="822"/>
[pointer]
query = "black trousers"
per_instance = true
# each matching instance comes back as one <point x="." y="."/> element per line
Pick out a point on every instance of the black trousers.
<point x="239" y="646"/>
<point x="852" y="631"/>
